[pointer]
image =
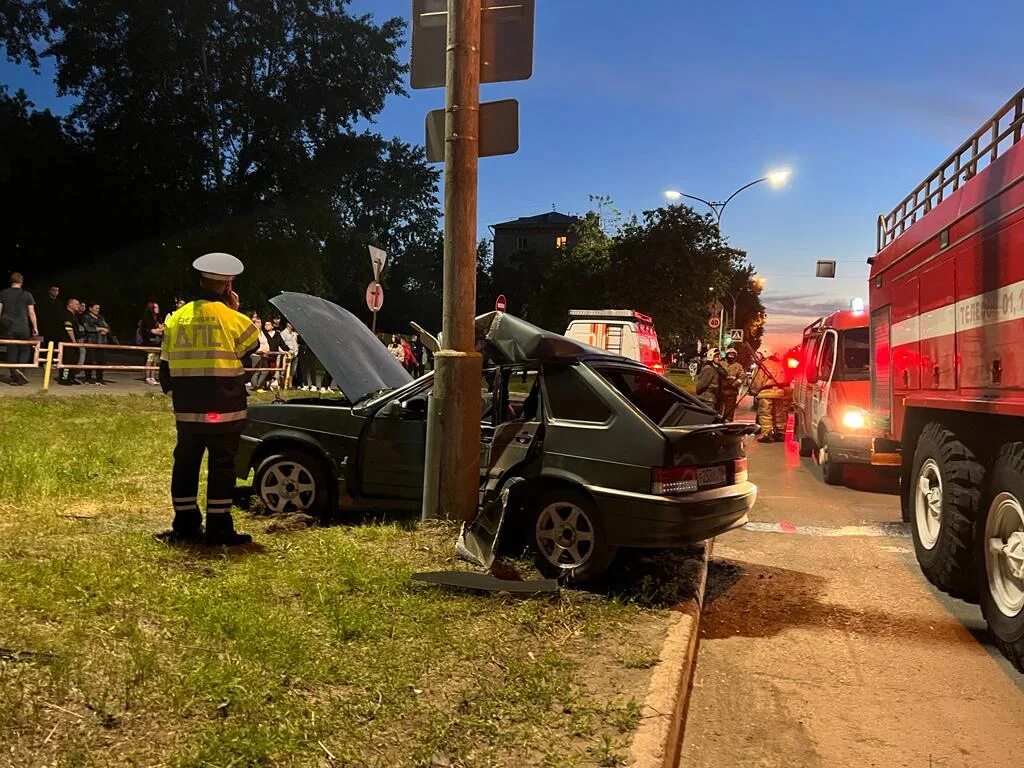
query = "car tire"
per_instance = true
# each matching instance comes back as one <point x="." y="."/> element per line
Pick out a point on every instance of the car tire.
<point x="294" y="481"/>
<point x="945" y="496"/>
<point x="806" y="446"/>
<point x="1000" y="577"/>
<point x="831" y="471"/>
<point x="568" y="537"/>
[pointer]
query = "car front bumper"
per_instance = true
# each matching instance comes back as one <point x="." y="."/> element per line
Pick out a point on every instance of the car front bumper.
<point x="858" y="449"/>
<point x="645" y="520"/>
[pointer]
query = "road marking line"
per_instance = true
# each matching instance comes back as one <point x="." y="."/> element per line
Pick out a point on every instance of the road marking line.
<point x="882" y="530"/>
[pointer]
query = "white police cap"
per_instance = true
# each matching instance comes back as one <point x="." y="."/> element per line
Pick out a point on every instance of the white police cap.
<point x="218" y="266"/>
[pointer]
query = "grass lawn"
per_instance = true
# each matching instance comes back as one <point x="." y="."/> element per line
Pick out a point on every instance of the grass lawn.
<point x="681" y="380"/>
<point x="311" y="649"/>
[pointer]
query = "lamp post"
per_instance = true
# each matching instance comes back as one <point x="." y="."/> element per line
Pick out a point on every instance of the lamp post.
<point x="774" y="178"/>
<point x="758" y="284"/>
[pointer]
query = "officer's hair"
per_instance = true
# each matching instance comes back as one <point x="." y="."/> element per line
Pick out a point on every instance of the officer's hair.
<point x="17" y="277"/>
<point x="211" y="285"/>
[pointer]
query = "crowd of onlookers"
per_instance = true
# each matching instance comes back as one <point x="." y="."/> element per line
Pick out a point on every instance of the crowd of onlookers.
<point x="282" y="357"/>
<point x="53" y="319"/>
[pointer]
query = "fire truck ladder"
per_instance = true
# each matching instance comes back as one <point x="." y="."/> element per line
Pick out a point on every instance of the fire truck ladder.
<point x="615" y="340"/>
<point x="995" y="136"/>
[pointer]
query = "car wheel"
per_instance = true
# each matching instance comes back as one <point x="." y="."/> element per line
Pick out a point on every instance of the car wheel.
<point x="569" y="537"/>
<point x="806" y="445"/>
<point x="293" y="481"/>
<point x="831" y="471"/>
<point x="1000" y="546"/>
<point x="944" y="501"/>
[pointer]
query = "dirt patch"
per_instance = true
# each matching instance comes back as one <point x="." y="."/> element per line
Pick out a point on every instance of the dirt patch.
<point x="752" y="600"/>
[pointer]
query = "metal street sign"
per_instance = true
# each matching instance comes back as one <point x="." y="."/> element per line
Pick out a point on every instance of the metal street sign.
<point x="500" y="303"/>
<point x="736" y="334"/>
<point x="498" y="132"/>
<point x="714" y="321"/>
<point x="374" y="296"/>
<point x="506" y="41"/>
<point x="378" y="258"/>
<point x="715" y="308"/>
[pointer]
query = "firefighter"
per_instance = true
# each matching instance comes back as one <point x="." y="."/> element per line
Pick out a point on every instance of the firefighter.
<point x="708" y="384"/>
<point x="773" y="397"/>
<point x="201" y="357"/>
<point x="732" y="379"/>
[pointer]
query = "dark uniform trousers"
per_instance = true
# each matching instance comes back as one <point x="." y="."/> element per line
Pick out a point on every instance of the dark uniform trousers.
<point x="222" y="446"/>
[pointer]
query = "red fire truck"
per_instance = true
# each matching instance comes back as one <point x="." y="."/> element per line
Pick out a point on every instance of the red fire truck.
<point x="947" y="383"/>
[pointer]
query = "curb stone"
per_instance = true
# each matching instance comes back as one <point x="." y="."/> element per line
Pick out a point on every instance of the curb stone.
<point x="658" y="740"/>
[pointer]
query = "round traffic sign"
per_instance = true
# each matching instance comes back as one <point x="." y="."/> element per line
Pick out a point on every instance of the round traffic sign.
<point x="500" y="303"/>
<point x="714" y="321"/>
<point x="374" y="296"/>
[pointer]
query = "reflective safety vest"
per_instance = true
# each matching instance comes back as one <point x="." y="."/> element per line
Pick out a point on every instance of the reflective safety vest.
<point x="203" y="346"/>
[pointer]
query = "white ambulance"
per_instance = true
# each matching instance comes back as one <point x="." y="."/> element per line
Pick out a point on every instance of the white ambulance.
<point x="623" y="332"/>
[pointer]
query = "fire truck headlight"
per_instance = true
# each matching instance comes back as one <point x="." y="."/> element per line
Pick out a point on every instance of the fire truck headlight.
<point x="855" y="418"/>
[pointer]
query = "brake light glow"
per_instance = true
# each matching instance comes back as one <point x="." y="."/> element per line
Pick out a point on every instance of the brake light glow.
<point x="792" y="362"/>
<point x="666" y="481"/>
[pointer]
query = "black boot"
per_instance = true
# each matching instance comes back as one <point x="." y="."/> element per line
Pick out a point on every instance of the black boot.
<point x="187" y="528"/>
<point x="220" y="532"/>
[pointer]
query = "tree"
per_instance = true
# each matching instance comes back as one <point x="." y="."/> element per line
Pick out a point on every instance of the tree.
<point x="217" y="125"/>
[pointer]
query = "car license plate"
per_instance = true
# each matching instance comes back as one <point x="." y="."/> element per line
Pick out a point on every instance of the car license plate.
<point x="708" y="477"/>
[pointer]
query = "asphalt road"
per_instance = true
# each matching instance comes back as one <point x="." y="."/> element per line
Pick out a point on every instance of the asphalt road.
<point x="822" y="645"/>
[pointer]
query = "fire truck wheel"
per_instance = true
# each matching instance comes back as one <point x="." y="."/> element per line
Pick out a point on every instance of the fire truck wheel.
<point x="1000" y="546"/>
<point x="944" y="502"/>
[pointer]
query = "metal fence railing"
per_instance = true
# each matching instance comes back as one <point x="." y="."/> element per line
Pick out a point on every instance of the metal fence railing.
<point x="1000" y="132"/>
<point x="68" y="356"/>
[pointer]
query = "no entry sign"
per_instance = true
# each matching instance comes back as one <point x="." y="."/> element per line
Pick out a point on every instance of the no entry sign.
<point x="500" y="303"/>
<point x="374" y="296"/>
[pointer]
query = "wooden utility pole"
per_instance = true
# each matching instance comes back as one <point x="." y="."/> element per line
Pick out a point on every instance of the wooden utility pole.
<point x="458" y="364"/>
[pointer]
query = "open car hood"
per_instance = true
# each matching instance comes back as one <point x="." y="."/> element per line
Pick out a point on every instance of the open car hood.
<point x="509" y="339"/>
<point x="353" y="356"/>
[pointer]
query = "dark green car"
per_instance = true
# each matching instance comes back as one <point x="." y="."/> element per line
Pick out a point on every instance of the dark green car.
<point x="582" y="452"/>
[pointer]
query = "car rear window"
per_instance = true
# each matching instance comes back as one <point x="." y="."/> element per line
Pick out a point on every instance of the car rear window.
<point x="570" y="397"/>
<point x="655" y="397"/>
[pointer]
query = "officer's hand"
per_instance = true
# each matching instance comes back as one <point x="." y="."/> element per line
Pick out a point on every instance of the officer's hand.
<point x="233" y="300"/>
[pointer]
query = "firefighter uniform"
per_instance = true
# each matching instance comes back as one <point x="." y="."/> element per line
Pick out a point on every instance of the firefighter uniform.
<point x="201" y="367"/>
<point x="708" y="383"/>
<point x="732" y="378"/>
<point x="773" y="399"/>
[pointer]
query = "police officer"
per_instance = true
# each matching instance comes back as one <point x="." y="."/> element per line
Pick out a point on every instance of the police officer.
<point x="732" y="378"/>
<point x="201" y="355"/>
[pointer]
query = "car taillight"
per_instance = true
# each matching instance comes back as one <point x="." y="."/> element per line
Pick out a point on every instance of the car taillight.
<point x="666" y="481"/>
<point x="739" y="471"/>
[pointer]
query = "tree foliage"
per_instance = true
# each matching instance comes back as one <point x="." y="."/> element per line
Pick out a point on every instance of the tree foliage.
<point x="669" y="263"/>
<point x="218" y="125"/>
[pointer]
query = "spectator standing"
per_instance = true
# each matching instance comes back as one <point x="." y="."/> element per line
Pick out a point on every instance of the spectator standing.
<point x="97" y="329"/>
<point x="18" y="322"/>
<point x="396" y="349"/>
<point x="268" y="342"/>
<point x="151" y="334"/>
<point x="307" y="367"/>
<point x="291" y="342"/>
<point x="410" y="362"/>
<point x="69" y="331"/>
<point x="51" y="316"/>
<point x="419" y="352"/>
<point x="178" y="304"/>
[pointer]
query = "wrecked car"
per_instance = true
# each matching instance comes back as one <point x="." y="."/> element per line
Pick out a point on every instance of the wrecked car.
<point x="582" y="452"/>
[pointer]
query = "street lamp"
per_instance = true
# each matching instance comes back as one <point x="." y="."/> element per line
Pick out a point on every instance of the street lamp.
<point x="758" y="285"/>
<point x="776" y="179"/>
